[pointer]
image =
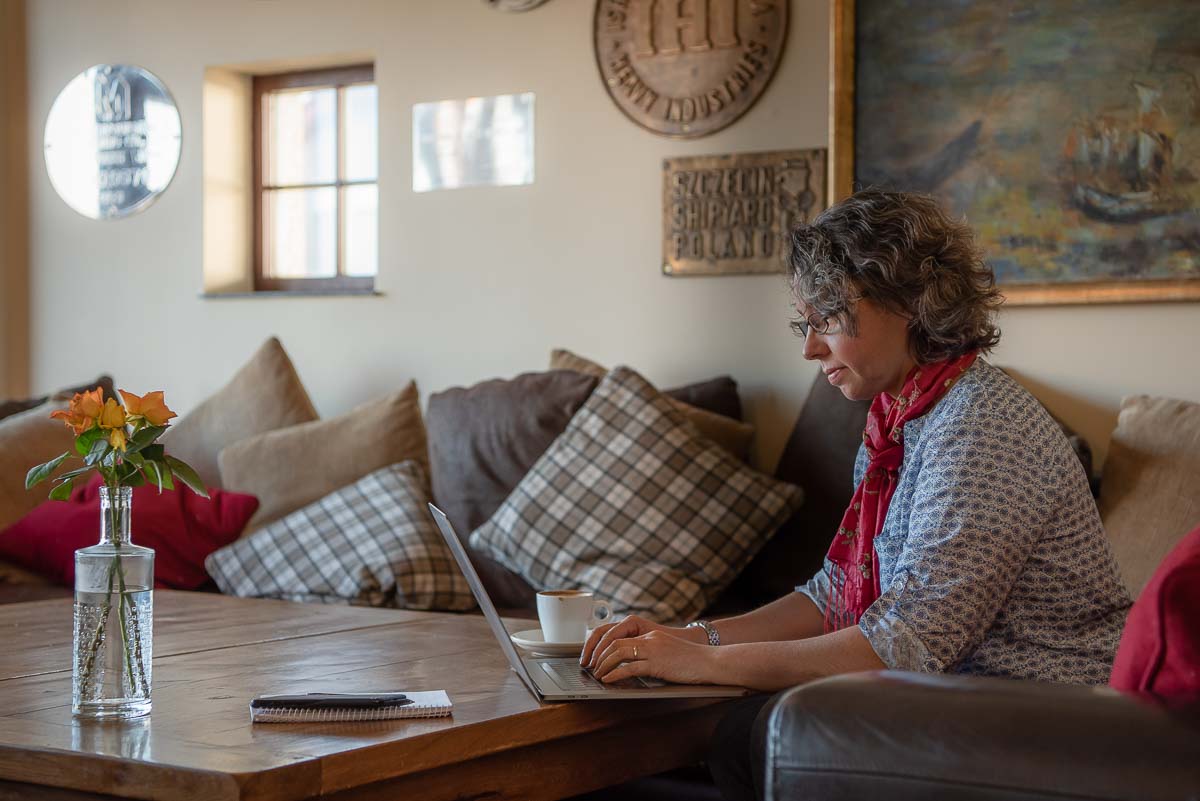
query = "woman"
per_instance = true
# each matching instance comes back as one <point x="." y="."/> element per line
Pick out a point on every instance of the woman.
<point x="971" y="545"/>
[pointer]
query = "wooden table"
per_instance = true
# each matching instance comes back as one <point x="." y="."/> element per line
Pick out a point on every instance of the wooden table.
<point x="213" y="653"/>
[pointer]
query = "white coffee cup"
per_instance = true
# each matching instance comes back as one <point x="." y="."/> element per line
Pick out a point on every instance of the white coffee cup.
<point x="566" y="615"/>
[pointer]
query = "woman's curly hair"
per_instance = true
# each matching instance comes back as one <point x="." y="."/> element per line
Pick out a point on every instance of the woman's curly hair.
<point x="902" y="251"/>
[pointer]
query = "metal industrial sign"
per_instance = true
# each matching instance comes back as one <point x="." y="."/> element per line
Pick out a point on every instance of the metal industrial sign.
<point x="724" y="215"/>
<point x="686" y="68"/>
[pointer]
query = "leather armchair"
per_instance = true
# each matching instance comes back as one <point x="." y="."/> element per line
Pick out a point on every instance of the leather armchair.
<point x="900" y="736"/>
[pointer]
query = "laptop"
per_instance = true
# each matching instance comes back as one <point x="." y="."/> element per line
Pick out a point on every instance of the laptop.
<point x="562" y="678"/>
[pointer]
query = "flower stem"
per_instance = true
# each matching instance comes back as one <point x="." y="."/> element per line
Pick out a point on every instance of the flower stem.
<point x="133" y="655"/>
<point x="93" y="648"/>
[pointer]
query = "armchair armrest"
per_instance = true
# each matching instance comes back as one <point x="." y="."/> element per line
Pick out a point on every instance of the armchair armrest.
<point x="900" y="736"/>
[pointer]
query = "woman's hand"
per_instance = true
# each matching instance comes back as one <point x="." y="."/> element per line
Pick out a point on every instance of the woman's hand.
<point x="638" y="647"/>
<point x="603" y="636"/>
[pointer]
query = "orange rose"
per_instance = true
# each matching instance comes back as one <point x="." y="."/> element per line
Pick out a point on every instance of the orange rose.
<point x="149" y="407"/>
<point x="83" y="412"/>
<point x="75" y="420"/>
<point x="89" y="404"/>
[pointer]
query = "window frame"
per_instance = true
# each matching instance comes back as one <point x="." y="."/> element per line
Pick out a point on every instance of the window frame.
<point x="262" y="85"/>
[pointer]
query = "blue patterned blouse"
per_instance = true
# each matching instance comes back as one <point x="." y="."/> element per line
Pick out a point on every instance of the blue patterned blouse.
<point x="992" y="558"/>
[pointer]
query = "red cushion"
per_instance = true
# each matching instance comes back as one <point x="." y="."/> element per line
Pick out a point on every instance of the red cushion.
<point x="1160" y="649"/>
<point x="182" y="528"/>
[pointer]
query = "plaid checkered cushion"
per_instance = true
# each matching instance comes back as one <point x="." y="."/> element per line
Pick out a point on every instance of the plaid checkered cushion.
<point x="633" y="503"/>
<point x="372" y="543"/>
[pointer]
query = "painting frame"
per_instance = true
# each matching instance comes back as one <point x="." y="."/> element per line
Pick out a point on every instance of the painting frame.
<point x="840" y="182"/>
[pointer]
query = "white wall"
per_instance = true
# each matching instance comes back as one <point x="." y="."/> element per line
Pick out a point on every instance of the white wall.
<point x="480" y="282"/>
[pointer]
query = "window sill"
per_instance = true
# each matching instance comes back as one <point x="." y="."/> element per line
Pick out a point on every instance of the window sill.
<point x="294" y="293"/>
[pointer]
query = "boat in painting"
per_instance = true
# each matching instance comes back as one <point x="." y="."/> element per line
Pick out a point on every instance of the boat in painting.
<point x="1120" y="167"/>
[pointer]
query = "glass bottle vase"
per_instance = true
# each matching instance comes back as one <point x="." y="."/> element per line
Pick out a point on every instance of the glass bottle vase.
<point x="114" y="618"/>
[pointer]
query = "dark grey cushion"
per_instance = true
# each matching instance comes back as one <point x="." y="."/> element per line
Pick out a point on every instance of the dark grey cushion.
<point x="717" y="395"/>
<point x="483" y="440"/>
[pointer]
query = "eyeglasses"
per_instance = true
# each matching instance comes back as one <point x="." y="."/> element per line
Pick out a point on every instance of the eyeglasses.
<point x="815" y="323"/>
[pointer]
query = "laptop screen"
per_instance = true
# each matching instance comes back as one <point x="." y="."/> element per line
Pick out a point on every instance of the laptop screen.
<point x="481" y="597"/>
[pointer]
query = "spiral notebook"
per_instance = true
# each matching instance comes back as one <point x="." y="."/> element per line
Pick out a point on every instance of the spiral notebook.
<point x="338" y="707"/>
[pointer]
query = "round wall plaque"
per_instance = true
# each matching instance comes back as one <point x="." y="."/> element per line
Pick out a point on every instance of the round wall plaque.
<point x="112" y="141"/>
<point x="686" y="68"/>
<point x="514" y="5"/>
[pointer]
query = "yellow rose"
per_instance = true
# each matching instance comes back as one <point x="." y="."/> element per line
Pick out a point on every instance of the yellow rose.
<point x="116" y="438"/>
<point x="150" y="407"/>
<point x="112" y="415"/>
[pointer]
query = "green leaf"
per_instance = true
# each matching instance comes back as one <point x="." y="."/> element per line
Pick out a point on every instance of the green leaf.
<point x="40" y="473"/>
<point x="145" y="437"/>
<point x="74" y="473"/>
<point x="187" y="475"/>
<point x="85" y="441"/>
<point x="165" y="472"/>
<point x="135" y="459"/>
<point x="100" y="448"/>
<point x="130" y="476"/>
<point x="62" y="492"/>
<point x="158" y="474"/>
<point x="153" y="453"/>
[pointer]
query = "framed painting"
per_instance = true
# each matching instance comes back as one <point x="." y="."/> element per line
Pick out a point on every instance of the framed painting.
<point x="1067" y="132"/>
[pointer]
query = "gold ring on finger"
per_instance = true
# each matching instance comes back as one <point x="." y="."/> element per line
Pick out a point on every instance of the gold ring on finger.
<point x="635" y="656"/>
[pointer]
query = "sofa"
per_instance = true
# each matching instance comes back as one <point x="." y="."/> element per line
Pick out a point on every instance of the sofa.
<point x="471" y="467"/>
<point x="1144" y="499"/>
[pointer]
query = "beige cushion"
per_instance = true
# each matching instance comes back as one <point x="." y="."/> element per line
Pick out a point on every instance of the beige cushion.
<point x="562" y="359"/>
<point x="28" y="439"/>
<point x="732" y="435"/>
<point x="1150" y="495"/>
<point x="289" y="468"/>
<point x="265" y="394"/>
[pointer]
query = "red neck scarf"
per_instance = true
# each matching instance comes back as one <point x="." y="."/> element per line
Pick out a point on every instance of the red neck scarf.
<point x="854" y="574"/>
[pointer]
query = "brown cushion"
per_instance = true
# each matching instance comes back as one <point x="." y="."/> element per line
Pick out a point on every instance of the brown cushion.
<point x="11" y="407"/>
<point x="819" y="456"/>
<point x="289" y="468"/>
<point x="717" y="424"/>
<point x="1150" y="495"/>
<point x="265" y="394"/>
<point x="28" y="439"/>
<point x="482" y="442"/>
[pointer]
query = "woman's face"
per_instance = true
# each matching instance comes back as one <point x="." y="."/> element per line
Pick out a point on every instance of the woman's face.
<point x="876" y="360"/>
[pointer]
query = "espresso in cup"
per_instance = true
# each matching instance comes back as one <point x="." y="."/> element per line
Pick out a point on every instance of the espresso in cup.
<point x="566" y="615"/>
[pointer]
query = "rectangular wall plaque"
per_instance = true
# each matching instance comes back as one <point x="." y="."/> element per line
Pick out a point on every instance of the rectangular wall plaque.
<point x="478" y="141"/>
<point x="726" y="215"/>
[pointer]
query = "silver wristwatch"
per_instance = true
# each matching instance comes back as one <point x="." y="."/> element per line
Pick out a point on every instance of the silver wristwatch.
<point x="709" y="629"/>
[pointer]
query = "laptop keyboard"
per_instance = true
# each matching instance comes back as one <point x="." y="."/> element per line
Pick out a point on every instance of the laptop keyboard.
<point x="568" y="675"/>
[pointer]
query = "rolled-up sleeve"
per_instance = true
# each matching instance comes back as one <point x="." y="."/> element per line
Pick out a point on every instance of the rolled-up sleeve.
<point x="817" y="587"/>
<point x="972" y="519"/>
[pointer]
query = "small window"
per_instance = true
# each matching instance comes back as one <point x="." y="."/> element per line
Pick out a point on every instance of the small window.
<point x="316" y="211"/>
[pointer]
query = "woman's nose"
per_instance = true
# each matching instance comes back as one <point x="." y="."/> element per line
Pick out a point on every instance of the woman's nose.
<point x="814" y="346"/>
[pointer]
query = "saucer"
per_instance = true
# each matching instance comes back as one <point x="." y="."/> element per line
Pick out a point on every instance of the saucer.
<point x="531" y="640"/>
